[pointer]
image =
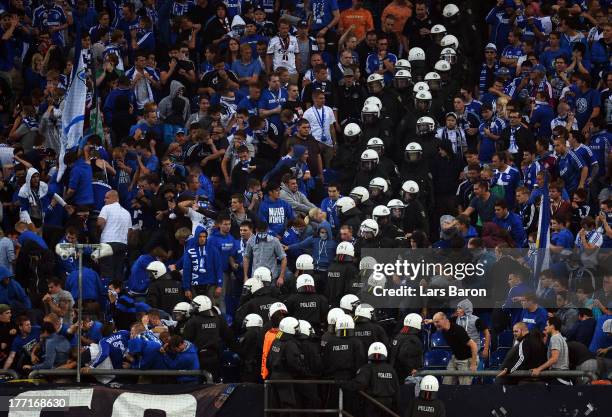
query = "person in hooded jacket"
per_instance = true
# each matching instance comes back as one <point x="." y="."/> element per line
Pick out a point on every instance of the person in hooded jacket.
<point x="34" y="199"/>
<point x="181" y="354"/>
<point x="165" y="106"/>
<point x="249" y="347"/>
<point x="274" y="211"/>
<point x="202" y="272"/>
<point x="407" y="348"/>
<point x="474" y="326"/>
<point x="341" y="274"/>
<point x="307" y="305"/>
<point x="322" y="247"/>
<point x="378" y="379"/>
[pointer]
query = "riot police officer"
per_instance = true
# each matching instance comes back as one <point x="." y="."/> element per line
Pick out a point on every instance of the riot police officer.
<point x="306" y="304"/>
<point x="407" y="347"/>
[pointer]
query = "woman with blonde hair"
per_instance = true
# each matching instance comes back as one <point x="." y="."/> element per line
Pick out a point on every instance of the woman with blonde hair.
<point x="35" y="75"/>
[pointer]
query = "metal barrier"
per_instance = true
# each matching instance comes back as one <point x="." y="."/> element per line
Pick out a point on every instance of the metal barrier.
<point x="379" y="404"/>
<point x="123" y="372"/>
<point x="543" y="374"/>
<point x="9" y="372"/>
<point x="268" y="410"/>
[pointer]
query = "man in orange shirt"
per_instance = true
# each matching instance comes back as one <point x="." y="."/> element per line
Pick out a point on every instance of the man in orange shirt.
<point x="402" y="10"/>
<point x="358" y="19"/>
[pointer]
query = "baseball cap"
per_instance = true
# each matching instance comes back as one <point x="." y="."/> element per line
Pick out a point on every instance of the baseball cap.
<point x="539" y="68"/>
<point x="491" y="46"/>
<point x="180" y="132"/>
<point x="302" y="24"/>
<point x="4" y="308"/>
<point x="349" y="72"/>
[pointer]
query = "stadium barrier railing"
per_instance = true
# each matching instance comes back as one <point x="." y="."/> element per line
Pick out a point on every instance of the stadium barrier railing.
<point x="268" y="411"/>
<point x="543" y="374"/>
<point x="122" y="372"/>
<point x="9" y="372"/>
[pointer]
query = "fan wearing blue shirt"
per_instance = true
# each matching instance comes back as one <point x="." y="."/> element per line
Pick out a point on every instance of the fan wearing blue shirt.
<point x="499" y="18"/>
<point x="532" y="314"/>
<point x="583" y="152"/>
<point x="588" y="100"/>
<point x="325" y="15"/>
<point x="272" y="100"/>
<point x="51" y="17"/>
<point x="112" y="346"/>
<point x="511" y="222"/>
<point x="511" y="53"/>
<point x="561" y="238"/>
<point x="80" y="184"/>
<point x="600" y="144"/>
<point x="542" y="114"/>
<point x="507" y="176"/>
<point x="571" y="169"/>
<point x="382" y="61"/>
<point x="24" y="342"/>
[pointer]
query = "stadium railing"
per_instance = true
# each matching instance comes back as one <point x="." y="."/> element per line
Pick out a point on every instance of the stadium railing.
<point x="123" y="372"/>
<point x="9" y="372"/>
<point x="543" y="374"/>
<point x="268" y="411"/>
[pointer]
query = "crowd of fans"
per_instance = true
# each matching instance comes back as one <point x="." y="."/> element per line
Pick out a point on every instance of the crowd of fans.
<point x="239" y="156"/>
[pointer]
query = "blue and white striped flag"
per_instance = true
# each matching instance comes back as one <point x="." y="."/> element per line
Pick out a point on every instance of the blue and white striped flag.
<point x="542" y="258"/>
<point x="73" y="115"/>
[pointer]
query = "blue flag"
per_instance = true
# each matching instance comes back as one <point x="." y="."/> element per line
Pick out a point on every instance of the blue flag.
<point x="542" y="258"/>
<point x="73" y="115"/>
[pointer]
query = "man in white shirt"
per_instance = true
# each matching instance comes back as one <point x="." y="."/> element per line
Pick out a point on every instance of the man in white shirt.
<point x="322" y="120"/>
<point x="284" y="51"/>
<point x="114" y="222"/>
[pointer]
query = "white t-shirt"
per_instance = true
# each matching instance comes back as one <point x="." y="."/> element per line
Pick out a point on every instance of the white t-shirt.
<point x="318" y="117"/>
<point x="284" y="55"/>
<point x="118" y="223"/>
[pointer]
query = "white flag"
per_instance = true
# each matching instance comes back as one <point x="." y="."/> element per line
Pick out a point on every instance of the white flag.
<point x="73" y="115"/>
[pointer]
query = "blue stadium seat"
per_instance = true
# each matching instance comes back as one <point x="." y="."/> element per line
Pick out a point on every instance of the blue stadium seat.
<point x="505" y="339"/>
<point x="497" y="358"/>
<point x="437" y="359"/>
<point x="438" y="341"/>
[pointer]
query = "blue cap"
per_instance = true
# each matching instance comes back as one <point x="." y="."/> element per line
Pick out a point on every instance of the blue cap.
<point x="509" y="3"/>
<point x="180" y="131"/>
<point x="539" y="68"/>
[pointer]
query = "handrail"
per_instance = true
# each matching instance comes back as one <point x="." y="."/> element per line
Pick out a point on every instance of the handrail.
<point x="9" y="372"/>
<point x="340" y="411"/>
<point x="523" y="373"/>
<point x="379" y="404"/>
<point x="124" y="372"/>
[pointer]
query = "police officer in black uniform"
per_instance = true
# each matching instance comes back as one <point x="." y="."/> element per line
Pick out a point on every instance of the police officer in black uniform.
<point x="366" y="329"/>
<point x="378" y="379"/>
<point x="341" y="273"/>
<point x="209" y="332"/>
<point x="407" y="348"/>
<point x="307" y="305"/>
<point x="250" y="347"/>
<point x="164" y="291"/>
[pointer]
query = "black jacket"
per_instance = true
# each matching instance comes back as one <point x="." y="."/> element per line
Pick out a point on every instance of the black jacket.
<point x="209" y="333"/>
<point x="342" y="357"/>
<point x="259" y="303"/>
<point x="406" y="354"/>
<point x="369" y="332"/>
<point x="250" y="348"/>
<point x="164" y="293"/>
<point x="339" y="274"/>
<point x="310" y="307"/>
<point x="379" y="380"/>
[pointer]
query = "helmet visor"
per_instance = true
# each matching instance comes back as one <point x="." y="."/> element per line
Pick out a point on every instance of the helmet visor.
<point x="375" y="87"/>
<point x="401" y="83"/>
<point x="397" y="213"/>
<point x="369" y="118"/>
